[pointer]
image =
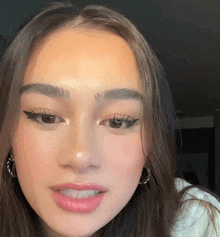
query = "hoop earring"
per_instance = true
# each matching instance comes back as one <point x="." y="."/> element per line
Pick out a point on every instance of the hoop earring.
<point x="11" y="166"/>
<point x="148" y="177"/>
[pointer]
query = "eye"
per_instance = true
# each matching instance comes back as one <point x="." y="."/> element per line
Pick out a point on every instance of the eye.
<point x="48" y="118"/>
<point x="115" y="123"/>
<point x="120" y="122"/>
<point x="43" y="118"/>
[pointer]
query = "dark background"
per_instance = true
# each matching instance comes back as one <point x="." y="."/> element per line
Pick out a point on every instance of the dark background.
<point x="197" y="142"/>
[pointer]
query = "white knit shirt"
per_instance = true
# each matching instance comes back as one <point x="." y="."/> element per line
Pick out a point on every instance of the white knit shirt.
<point x="194" y="219"/>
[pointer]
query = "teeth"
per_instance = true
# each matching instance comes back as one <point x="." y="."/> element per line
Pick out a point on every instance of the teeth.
<point x="82" y="194"/>
<point x="79" y="194"/>
<point x="69" y="193"/>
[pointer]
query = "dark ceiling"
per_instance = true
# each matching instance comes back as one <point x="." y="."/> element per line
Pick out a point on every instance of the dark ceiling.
<point x="184" y="34"/>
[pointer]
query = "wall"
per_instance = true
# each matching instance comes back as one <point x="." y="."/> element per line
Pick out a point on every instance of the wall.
<point x="197" y="122"/>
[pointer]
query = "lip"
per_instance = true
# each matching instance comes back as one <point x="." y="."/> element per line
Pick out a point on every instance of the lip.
<point x="79" y="187"/>
<point x="78" y="205"/>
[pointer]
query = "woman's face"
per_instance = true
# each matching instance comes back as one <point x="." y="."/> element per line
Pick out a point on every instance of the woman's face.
<point x="79" y="164"/>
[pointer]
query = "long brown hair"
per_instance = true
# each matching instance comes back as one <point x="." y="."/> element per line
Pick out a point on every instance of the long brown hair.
<point x="153" y="208"/>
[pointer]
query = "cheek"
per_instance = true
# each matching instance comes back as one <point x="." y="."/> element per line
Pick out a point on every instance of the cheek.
<point x="124" y="154"/>
<point x="31" y="150"/>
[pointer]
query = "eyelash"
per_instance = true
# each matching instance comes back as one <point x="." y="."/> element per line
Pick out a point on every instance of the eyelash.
<point x="117" y="119"/>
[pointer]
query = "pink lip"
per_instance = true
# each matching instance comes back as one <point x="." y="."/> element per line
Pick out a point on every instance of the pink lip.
<point x="78" y="205"/>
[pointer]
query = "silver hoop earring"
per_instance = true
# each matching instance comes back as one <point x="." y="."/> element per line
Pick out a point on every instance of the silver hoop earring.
<point x="11" y="166"/>
<point x="148" y="177"/>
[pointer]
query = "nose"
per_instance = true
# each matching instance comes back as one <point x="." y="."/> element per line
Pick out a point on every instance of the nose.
<point x="79" y="152"/>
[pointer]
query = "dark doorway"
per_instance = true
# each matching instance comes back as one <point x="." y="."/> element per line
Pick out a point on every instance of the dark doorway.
<point x="190" y="144"/>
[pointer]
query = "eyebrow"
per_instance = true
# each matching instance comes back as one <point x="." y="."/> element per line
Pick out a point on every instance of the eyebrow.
<point x="45" y="89"/>
<point x="120" y="94"/>
<point x="59" y="92"/>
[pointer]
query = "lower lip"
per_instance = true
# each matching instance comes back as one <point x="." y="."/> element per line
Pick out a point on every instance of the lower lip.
<point x="83" y="205"/>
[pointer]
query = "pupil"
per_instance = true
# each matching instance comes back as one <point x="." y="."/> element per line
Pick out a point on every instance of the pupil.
<point x="115" y="123"/>
<point x="48" y="119"/>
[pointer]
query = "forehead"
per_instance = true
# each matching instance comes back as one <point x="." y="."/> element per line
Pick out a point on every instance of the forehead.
<point x="83" y="57"/>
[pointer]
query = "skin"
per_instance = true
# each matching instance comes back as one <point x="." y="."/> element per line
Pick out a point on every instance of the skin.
<point x="83" y="148"/>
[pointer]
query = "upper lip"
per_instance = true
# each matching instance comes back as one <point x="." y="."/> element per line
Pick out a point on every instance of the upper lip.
<point x="95" y="187"/>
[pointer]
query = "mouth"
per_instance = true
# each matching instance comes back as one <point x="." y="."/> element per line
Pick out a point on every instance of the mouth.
<point x="71" y="193"/>
<point x="83" y="198"/>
